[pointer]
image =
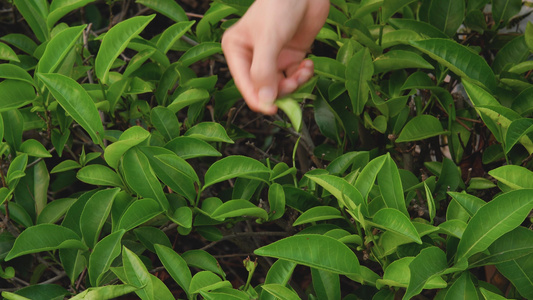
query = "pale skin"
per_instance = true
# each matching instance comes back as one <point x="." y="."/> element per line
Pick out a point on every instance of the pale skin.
<point x="266" y="49"/>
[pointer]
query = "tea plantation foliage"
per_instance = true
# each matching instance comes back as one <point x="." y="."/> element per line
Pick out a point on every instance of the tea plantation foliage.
<point x="130" y="164"/>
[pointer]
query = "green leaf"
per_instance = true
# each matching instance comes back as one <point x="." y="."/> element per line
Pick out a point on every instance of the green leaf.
<point x="103" y="255"/>
<point x="510" y="246"/>
<point x="35" y="13"/>
<point x="462" y="288"/>
<point x="329" y="67"/>
<point x="318" y="213"/>
<point x="392" y="6"/>
<point x="135" y="63"/>
<point x="95" y="214"/>
<point x="168" y="8"/>
<point x="206" y="281"/>
<point x="188" y="147"/>
<point x="459" y="59"/>
<point x="76" y="102"/>
<point x="280" y="291"/>
<point x="182" y="216"/>
<point x="202" y="260"/>
<point x="141" y="178"/>
<point x="235" y="166"/>
<point x="447" y="15"/>
<point x="17" y="166"/>
<point x="367" y="177"/>
<point x="187" y="98"/>
<point x="173" y="171"/>
<point x="166" y="122"/>
<point x="397" y="274"/>
<point x="419" y="128"/>
<point x="422" y="28"/>
<point x="115" y="41"/>
<point x="276" y="201"/>
<point x="280" y="272"/>
<point x="175" y="266"/>
<point x="516" y="131"/>
<point x="10" y="71"/>
<point x="6" y="53"/>
<point x="516" y="177"/>
<point x="199" y="52"/>
<point x="519" y="272"/>
<point x="99" y="175"/>
<point x="21" y="41"/>
<point x="131" y="137"/>
<point x="44" y="237"/>
<point x="209" y="132"/>
<point x="513" y="53"/>
<point x="293" y="110"/>
<point x="43" y="292"/>
<point x="105" y="292"/>
<point x="137" y="274"/>
<point x="503" y="10"/>
<point x="238" y="208"/>
<point x="172" y="34"/>
<point x="399" y="59"/>
<point x="65" y="165"/>
<point x="139" y="212"/>
<point x="390" y="186"/>
<point x="393" y="220"/>
<point x="54" y="210"/>
<point x="315" y="251"/>
<point x="469" y="202"/>
<point x="430" y="262"/>
<point x="488" y="295"/>
<point x="494" y="219"/>
<point x="358" y="72"/>
<point x="59" y="8"/>
<point x="150" y="236"/>
<point x="326" y="284"/>
<point x="15" y="94"/>
<point x="58" y="48"/>
<point x="34" y="148"/>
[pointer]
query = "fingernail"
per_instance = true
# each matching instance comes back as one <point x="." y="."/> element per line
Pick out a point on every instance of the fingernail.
<point x="266" y="95"/>
<point x="308" y="63"/>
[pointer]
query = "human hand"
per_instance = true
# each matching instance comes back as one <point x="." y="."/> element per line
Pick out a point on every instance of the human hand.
<point x="265" y="49"/>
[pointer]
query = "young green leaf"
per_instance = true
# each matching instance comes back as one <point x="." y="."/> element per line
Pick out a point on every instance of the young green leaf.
<point x="15" y="94"/>
<point x="516" y="131"/>
<point x="150" y="236"/>
<point x="199" y="52"/>
<point x="95" y="214"/>
<point x="44" y="237"/>
<point x="318" y="213"/>
<point x="419" y="128"/>
<point x="315" y="251"/>
<point x="166" y="122"/>
<point x="280" y="291"/>
<point x="188" y="147"/>
<point x="458" y="59"/>
<point x="131" y="137"/>
<point x="429" y="263"/>
<point x="58" y="48"/>
<point x="292" y="109"/>
<point x="141" y="178"/>
<point x="516" y="177"/>
<point x="235" y="166"/>
<point x="390" y="186"/>
<point x="206" y="281"/>
<point x="35" y="13"/>
<point x="172" y="34"/>
<point x="137" y="274"/>
<point x="105" y="292"/>
<point x="209" y="132"/>
<point x="203" y="260"/>
<point x="326" y="284"/>
<point x="447" y="15"/>
<point x="138" y="212"/>
<point x="238" y="208"/>
<point x="168" y="8"/>
<point x="115" y="41"/>
<point x="99" y="175"/>
<point x="519" y="272"/>
<point x="176" y="266"/>
<point x="358" y="72"/>
<point x="103" y="255"/>
<point x="54" y="210"/>
<point x="77" y="102"/>
<point x="280" y="273"/>
<point x="494" y="219"/>
<point x="399" y="59"/>
<point x="393" y="220"/>
<point x="276" y="201"/>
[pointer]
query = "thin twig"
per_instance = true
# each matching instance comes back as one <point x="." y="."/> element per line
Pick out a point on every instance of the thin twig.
<point x="245" y="234"/>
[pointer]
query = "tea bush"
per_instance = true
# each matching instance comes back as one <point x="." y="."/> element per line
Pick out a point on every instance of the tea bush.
<point x="131" y="166"/>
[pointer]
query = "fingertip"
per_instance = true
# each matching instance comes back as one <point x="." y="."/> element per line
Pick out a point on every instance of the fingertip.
<point x="287" y="86"/>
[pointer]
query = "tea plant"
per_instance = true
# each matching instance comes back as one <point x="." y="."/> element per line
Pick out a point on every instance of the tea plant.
<point x="402" y="169"/>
